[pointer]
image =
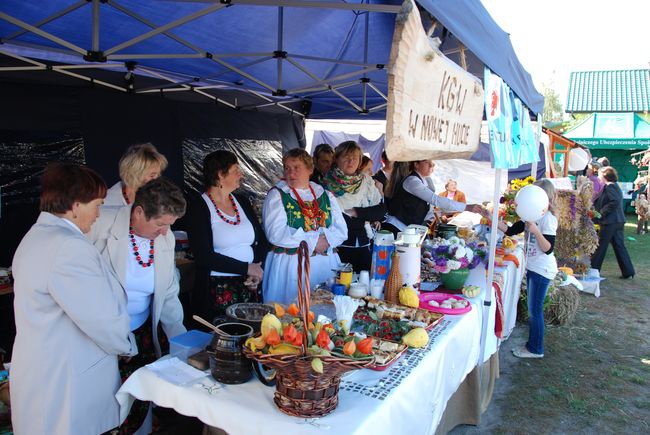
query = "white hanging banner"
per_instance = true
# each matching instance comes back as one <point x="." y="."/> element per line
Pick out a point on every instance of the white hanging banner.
<point x="434" y="106"/>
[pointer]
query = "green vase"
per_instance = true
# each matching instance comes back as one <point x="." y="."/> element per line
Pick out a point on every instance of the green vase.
<point x="454" y="279"/>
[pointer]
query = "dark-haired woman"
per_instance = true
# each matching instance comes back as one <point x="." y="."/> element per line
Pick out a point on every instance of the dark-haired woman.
<point x="612" y="223"/>
<point x="411" y="197"/>
<point x="226" y="238"/>
<point x="71" y="317"/>
<point x="138" y="244"/>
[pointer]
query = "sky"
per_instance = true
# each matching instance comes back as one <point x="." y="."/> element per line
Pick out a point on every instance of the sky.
<point x="552" y="38"/>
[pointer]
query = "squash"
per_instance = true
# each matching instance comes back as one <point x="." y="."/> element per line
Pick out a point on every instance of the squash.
<point x="409" y="297"/>
<point x="471" y="291"/>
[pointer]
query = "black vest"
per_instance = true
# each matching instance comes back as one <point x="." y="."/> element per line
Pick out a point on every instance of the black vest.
<point x="406" y="207"/>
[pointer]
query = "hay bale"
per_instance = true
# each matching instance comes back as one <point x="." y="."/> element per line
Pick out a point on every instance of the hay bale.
<point x="564" y="304"/>
<point x="560" y="305"/>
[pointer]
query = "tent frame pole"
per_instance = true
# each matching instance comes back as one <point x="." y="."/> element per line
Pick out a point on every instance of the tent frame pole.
<point x="95" y="40"/>
<point x="390" y="9"/>
<point x="327" y="59"/>
<point x="364" y="80"/>
<point x="162" y="29"/>
<point x="279" y="52"/>
<point x="44" y="21"/>
<point x="325" y="83"/>
<point x="15" y="21"/>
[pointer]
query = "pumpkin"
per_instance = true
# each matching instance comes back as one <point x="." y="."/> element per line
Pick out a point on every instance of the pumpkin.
<point x="365" y="346"/>
<point x="409" y="297"/>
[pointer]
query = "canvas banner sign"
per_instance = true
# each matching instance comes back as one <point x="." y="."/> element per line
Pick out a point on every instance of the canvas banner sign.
<point x="434" y="106"/>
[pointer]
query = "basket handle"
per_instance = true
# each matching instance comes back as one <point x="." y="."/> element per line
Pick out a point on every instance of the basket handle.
<point x="304" y="291"/>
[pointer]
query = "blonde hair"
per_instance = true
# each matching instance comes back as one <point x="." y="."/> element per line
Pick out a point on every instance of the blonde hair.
<point x="547" y="186"/>
<point x="135" y="162"/>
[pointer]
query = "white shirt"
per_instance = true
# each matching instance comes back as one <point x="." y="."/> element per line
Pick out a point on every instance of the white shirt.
<point x="139" y="284"/>
<point x="537" y="260"/>
<point x="419" y="188"/>
<point x="233" y="241"/>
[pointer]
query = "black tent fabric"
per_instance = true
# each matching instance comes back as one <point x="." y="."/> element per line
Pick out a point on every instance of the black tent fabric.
<point x="95" y="126"/>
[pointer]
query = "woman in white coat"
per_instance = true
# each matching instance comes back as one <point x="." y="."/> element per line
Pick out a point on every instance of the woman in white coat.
<point x="138" y="244"/>
<point x="71" y="318"/>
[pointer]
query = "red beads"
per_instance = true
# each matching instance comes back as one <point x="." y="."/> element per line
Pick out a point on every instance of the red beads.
<point x="136" y="252"/>
<point x="234" y="206"/>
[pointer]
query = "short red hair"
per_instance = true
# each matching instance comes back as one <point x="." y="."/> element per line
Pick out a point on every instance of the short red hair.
<point x="63" y="184"/>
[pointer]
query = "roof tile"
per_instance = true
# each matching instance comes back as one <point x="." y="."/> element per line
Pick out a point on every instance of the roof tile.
<point x="609" y="91"/>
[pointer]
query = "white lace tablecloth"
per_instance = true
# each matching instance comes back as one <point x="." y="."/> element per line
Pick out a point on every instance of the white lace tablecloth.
<point x="408" y="398"/>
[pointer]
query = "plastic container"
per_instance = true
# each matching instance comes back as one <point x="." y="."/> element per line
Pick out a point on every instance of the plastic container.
<point x="187" y="344"/>
<point x="382" y="249"/>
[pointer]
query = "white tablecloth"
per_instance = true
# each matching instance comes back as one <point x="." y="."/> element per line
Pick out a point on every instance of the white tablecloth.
<point x="410" y="397"/>
<point x="512" y="276"/>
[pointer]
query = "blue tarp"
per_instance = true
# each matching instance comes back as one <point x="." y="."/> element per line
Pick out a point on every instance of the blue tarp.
<point x="243" y="38"/>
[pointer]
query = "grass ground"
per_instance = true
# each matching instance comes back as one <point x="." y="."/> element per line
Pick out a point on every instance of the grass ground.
<point x="595" y="376"/>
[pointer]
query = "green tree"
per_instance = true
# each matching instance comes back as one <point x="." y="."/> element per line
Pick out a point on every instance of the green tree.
<point x="552" y="105"/>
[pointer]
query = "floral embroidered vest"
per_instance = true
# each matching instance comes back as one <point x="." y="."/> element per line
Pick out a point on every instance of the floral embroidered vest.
<point x="296" y="219"/>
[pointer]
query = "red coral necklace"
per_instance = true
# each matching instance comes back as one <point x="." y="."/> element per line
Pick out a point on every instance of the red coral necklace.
<point x="136" y="252"/>
<point x="237" y="220"/>
<point x="315" y="215"/>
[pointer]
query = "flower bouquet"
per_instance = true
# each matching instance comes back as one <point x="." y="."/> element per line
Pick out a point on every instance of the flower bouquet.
<point x="508" y="208"/>
<point x="453" y="258"/>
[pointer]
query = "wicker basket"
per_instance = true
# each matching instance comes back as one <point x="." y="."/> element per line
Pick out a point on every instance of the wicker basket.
<point x="300" y="391"/>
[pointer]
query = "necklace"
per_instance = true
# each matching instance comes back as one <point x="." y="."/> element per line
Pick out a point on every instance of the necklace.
<point x="237" y="220"/>
<point x="126" y="197"/>
<point x="136" y="252"/>
<point x="314" y="216"/>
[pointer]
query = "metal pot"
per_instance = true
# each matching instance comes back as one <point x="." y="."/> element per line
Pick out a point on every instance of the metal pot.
<point x="446" y="231"/>
<point x="249" y="313"/>
<point x="228" y="364"/>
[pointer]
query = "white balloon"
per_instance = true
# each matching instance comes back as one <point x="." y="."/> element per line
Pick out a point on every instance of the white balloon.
<point x="578" y="159"/>
<point x="531" y="203"/>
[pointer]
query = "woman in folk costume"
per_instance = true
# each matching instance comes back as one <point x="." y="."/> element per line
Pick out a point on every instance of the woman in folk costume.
<point x="296" y="210"/>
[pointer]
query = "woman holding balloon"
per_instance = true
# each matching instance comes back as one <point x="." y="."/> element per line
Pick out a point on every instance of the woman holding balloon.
<point x="536" y="207"/>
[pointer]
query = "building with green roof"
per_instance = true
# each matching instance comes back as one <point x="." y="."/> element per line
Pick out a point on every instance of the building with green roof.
<point x="614" y="106"/>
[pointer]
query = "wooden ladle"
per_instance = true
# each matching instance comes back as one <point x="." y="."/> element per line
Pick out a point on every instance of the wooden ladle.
<point x="204" y="322"/>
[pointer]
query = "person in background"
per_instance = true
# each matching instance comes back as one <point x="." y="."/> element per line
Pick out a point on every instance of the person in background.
<point x="226" y="239"/>
<point x="71" y="317"/>
<point x="382" y="175"/>
<point x="541" y="268"/>
<point x="642" y="209"/>
<point x="296" y="210"/>
<point x="323" y="159"/>
<point x="604" y="161"/>
<point x="451" y="192"/>
<point x="138" y="165"/>
<point x="612" y="223"/>
<point x="360" y="201"/>
<point x="137" y="242"/>
<point x="366" y="166"/>
<point x="410" y="196"/>
<point x="592" y="174"/>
